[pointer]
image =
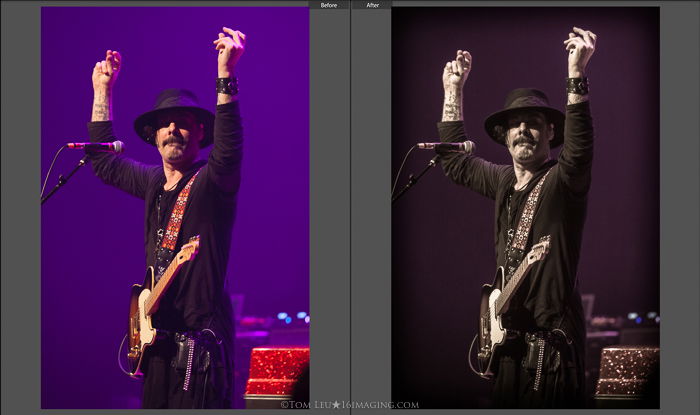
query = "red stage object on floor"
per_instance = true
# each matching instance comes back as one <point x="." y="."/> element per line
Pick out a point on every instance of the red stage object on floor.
<point x="273" y="373"/>
<point x="628" y="377"/>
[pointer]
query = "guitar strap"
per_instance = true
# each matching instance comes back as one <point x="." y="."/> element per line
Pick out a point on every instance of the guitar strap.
<point x="518" y="241"/>
<point x="166" y="250"/>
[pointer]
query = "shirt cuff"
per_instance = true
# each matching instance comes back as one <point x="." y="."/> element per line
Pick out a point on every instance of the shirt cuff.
<point x="100" y="131"/>
<point x="451" y="131"/>
<point x="227" y="106"/>
<point x="579" y="106"/>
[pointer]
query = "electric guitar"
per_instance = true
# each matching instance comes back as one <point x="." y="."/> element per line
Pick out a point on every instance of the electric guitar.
<point x="495" y="300"/>
<point x="144" y="303"/>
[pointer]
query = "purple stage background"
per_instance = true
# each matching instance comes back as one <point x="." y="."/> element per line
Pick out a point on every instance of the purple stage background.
<point x="92" y="235"/>
<point x="442" y="241"/>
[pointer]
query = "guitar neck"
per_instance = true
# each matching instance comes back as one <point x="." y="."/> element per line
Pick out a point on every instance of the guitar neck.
<point x="162" y="285"/>
<point x="512" y="285"/>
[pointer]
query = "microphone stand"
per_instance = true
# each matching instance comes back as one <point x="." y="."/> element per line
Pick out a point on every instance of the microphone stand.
<point x="414" y="179"/>
<point x="63" y="180"/>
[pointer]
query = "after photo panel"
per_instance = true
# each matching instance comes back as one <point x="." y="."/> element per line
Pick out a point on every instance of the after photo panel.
<point x="550" y="169"/>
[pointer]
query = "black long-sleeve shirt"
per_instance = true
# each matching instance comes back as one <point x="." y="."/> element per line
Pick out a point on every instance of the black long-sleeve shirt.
<point x="197" y="298"/>
<point x="548" y="297"/>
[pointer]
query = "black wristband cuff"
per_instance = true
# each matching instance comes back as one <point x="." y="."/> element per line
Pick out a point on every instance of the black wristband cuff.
<point x="228" y="86"/>
<point x="578" y="86"/>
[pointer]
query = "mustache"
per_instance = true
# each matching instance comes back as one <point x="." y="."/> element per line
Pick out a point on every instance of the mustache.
<point x="172" y="139"/>
<point x="524" y="139"/>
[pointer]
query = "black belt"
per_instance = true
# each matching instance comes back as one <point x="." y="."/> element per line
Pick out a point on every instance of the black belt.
<point x="556" y="337"/>
<point x="201" y="336"/>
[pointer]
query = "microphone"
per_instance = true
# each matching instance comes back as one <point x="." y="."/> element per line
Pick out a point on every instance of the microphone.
<point x="466" y="147"/>
<point x="114" y="147"/>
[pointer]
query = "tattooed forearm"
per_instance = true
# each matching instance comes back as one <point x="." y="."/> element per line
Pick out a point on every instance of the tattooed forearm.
<point x="102" y="106"/>
<point x="452" y="107"/>
<point x="575" y="99"/>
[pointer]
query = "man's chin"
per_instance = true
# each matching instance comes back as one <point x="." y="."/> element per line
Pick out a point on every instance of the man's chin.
<point x="174" y="157"/>
<point x="524" y="155"/>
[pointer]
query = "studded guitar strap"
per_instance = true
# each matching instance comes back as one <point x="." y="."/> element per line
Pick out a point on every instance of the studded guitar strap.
<point x="518" y="241"/>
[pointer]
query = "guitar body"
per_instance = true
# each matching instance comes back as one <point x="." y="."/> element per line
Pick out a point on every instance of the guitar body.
<point x="141" y="331"/>
<point x="491" y="331"/>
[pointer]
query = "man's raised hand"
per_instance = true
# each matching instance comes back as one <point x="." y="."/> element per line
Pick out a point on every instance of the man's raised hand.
<point x="230" y="50"/>
<point x="104" y="75"/>
<point x="581" y="45"/>
<point x="456" y="71"/>
<point x="105" y="72"/>
<point x="453" y="76"/>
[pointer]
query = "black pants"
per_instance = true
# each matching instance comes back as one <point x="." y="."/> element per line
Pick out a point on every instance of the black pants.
<point x="561" y="383"/>
<point x="176" y="378"/>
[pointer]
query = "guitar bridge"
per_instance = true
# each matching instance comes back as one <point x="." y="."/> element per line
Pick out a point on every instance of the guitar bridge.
<point x="485" y="351"/>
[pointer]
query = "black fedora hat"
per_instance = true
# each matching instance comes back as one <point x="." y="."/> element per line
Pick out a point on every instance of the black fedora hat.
<point x="526" y="98"/>
<point x="174" y="98"/>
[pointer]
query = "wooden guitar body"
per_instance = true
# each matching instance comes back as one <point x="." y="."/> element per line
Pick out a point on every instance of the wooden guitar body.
<point x="491" y="331"/>
<point x="141" y="331"/>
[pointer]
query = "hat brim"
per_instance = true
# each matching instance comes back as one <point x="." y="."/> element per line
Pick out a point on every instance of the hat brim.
<point x="149" y="118"/>
<point x="554" y="116"/>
